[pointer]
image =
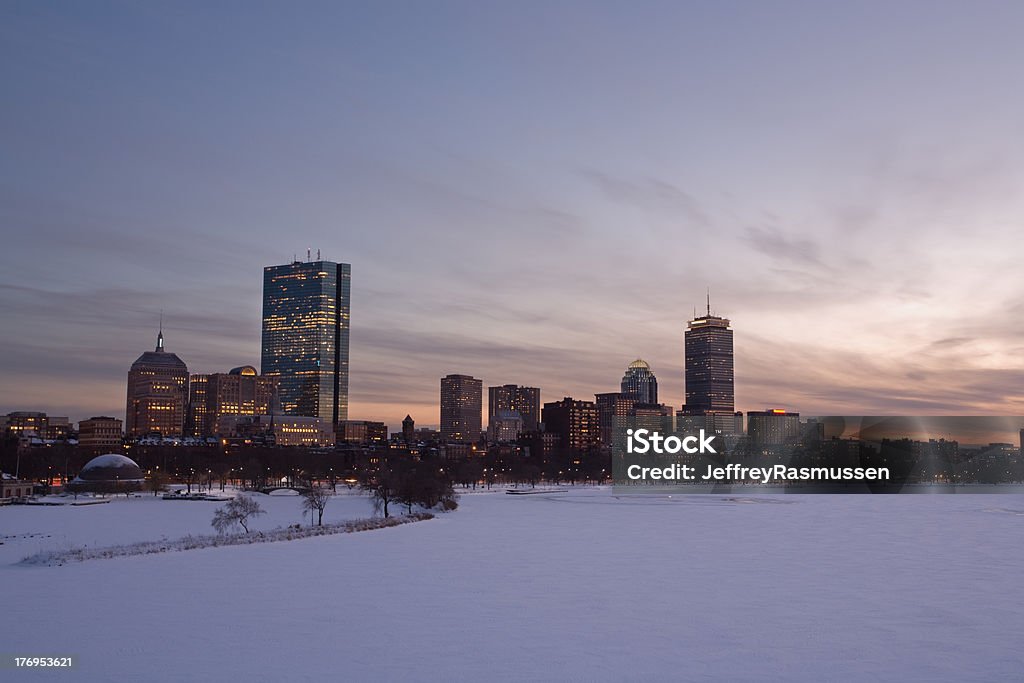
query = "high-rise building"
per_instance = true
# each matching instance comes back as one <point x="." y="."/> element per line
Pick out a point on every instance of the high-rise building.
<point x="305" y="336"/>
<point x="639" y="383"/>
<point x="409" y="429"/>
<point x="709" y="365"/>
<point x="157" y="393"/>
<point x="576" y="422"/>
<point x="513" y="398"/>
<point x="212" y="398"/>
<point x="461" y="408"/>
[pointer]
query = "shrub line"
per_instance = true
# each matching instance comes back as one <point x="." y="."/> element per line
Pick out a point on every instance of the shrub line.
<point x="52" y="558"/>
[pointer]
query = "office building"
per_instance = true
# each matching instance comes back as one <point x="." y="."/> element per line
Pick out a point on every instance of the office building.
<point x="362" y="432"/>
<point x="281" y="430"/>
<point x="517" y="399"/>
<point x="576" y="422"/>
<point x="461" y="408"/>
<point x="33" y="424"/>
<point x="773" y="427"/>
<point x="157" y="393"/>
<point x="241" y="391"/>
<point x="614" y="411"/>
<point x="639" y="383"/>
<point x="709" y="365"/>
<point x="100" y="433"/>
<point x="505" y="427"/>
<point x="306" y="321"/>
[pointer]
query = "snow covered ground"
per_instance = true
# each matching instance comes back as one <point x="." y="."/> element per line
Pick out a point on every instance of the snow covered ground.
<point x="584" y="585"/>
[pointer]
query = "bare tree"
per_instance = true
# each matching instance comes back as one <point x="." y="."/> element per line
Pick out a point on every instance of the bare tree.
<point x="237" y="511"/>
<point x="316" y="498"/>
<point x="383" y="489"/>
<point x="157" y="482"/>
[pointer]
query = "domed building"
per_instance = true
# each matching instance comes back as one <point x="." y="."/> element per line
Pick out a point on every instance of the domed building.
<point x="110" y="473"/>
<point x="157" y="393"/>
<point x="639" y="383"/>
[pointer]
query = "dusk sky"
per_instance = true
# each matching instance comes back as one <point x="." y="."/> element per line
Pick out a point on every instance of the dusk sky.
<point x="532" y="193"/>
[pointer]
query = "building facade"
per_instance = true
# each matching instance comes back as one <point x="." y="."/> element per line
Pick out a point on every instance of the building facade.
<point x="505" y="427"/>
<point x="461" y="408"/>
<point x="576" y="422"/>
<point x="26" y="423"/>
<point x="306" y="322"/>
<point x="614" y="411"/>
<point x="773" y="427"/>
<point x="157" y="394"/>
<point x="639" y="383"/>
<point x="709" y="365"/>
<point x="216" y="397"/>
<point x="100" y="433"/>
<point x="362" y="432"/>
<point x="282" y="430"/>
<point x="517" y="399"/>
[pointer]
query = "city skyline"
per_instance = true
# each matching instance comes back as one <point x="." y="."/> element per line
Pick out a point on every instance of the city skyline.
<point x="535" y="216"/>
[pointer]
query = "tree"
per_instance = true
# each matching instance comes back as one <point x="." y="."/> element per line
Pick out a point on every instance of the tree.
<point x="316" y="498"/>
<point x="157" y="482"/>
<point x="237" y="511"/>
<point x="411" y="483"/>
<point x="383" y="488"/>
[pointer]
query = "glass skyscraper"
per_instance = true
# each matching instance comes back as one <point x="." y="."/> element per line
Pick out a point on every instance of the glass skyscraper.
<point x="305" y="336"/>
<point x="709" y="365"/>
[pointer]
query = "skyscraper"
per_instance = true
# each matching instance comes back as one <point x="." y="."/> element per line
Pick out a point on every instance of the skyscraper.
<point x="709" y="365"/>
<point x="513" y="398"/>
<point x="461" y="407"/>
<point x="157" y="393"/>
<point x="305" y="336"/>
<point x="639" y="383"/>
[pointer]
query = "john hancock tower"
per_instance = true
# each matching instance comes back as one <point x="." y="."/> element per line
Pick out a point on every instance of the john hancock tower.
<point x="305" y="336"/>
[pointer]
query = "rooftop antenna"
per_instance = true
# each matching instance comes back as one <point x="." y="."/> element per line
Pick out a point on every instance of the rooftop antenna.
<point x="317" y="254"/>
<point x="308" y="255"/>
<point x="709" y="302"/>
<point x="160" y="334"/>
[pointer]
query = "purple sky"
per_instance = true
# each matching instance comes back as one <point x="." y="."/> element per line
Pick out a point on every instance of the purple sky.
<point x="534" y="193"/>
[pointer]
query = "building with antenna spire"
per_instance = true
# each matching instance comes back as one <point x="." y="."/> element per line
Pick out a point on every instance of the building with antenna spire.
<point x="709" y="371"/>
<point x="157" y="393"/>
<point x="306" y="336"/>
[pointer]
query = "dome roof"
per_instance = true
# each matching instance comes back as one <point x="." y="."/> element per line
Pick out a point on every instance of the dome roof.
<point x="639" y="364"/>
<point x="246" y="370"/>
<point x="111" y="467"/>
